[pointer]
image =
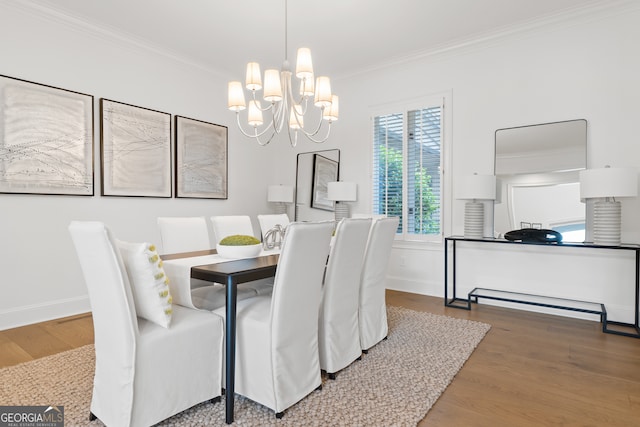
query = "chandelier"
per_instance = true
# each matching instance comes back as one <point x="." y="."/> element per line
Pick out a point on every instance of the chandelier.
<point x="281" y="104"/>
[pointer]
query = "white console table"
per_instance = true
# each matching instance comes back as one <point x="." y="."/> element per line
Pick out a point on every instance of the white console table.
<point x="538" y="300"/>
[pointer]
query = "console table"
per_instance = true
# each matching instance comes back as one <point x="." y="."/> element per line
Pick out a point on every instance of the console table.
<point x="539" y="300"/>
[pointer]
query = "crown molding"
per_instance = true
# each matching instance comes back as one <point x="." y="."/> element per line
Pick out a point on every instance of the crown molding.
<point x="104" y="32"/>
<point x="588" y="12"/>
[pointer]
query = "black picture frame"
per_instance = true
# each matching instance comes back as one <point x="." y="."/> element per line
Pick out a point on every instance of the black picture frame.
<point x="324" y="171"/>
<point x="201" y="159"/>
<point x="47" y="144"/>
<point x="135" y="145"/>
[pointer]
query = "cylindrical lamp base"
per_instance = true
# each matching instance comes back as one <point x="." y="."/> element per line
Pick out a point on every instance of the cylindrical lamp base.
<point x="341" y="211"/>
<point x="606" y="223"/>
<point x="280" y="208"/>
<point x="474" y="220"/>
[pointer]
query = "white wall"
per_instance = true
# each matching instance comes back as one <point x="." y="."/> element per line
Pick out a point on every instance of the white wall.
<point x="41" y="278"/>
<point x="585" y="68"/>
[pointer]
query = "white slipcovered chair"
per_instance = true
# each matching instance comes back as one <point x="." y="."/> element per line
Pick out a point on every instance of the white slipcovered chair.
<point x="267" y="222"/>
<point x="368" y="215"/>
<point x="144" y="373"/>
<point x="189" y="234"/>
<point x="372" y="315"/>
<point x="277" y="335"/>
<point x="183" y="234"/>
<point x="229" y="225"/>
<point x="338" y="332"/>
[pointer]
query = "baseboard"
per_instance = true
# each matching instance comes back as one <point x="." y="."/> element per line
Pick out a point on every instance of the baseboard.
<point x="29" y="314"/>
<point x="422" y="287"/>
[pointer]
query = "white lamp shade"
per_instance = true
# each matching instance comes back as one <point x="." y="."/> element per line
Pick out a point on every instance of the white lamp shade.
<point x="253" y="80"/>
<point x="236" y="100"/>
<point x="342" y="191"/>
<point x="296" y="119"/>
<point x="304" y="65"/>
<point x="331" y="112"/>
<point x="272" y="86"/>
<point x="307" y="86"/>
<point x="476" y="187"/>
<point x="254" y="118"/>
<point x="280" y="193"/>
<point x="608" y="182"/>
<point x="323" y="92"/>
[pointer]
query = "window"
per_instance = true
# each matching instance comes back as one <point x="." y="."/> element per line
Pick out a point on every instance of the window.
<point x="407" y="157"/>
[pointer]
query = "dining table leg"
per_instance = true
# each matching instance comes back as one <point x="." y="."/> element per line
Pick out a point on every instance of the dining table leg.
<point x="230" y="349"/>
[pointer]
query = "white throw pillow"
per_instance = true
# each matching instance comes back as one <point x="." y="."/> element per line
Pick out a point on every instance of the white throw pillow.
<point x="149" y="283"/>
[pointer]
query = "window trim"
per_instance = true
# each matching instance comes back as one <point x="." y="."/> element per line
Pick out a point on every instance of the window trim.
<point x="444" y="100"/>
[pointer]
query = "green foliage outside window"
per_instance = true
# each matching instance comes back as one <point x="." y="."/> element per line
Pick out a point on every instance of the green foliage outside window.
<point x="425" y="202"/>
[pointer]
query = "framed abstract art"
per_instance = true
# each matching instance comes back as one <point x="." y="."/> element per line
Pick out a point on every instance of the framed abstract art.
<point x="136" y="150"/>
<point x="324" y="171"/>
<point x="201" y="159"/>
<point x="47" y="139"/>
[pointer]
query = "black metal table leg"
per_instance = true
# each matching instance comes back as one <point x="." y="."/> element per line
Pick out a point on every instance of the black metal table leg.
<point x="230" y="349"/>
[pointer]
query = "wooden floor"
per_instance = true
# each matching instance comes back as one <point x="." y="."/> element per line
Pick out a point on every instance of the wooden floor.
<point x="530" y="370"/>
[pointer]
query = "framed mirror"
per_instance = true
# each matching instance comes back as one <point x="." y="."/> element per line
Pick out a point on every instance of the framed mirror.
<point x="537" y="170"/>
<point x="310" y="204"/>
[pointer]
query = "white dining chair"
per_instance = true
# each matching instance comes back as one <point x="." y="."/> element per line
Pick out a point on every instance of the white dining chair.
<point x="277" y="335"/>
<point x="183" y="234"/>
<point x="144" y="372"/>
<point x="372" y="313"/>
<point x="269" y="221"/>
<point x="229" y="225"/>
<point x="338" y="332"/>
<point x="189" y="234"/>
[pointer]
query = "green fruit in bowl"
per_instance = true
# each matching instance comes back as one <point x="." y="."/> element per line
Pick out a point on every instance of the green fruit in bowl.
<point x="239" y="240"/>
<point x="239" y="246"/>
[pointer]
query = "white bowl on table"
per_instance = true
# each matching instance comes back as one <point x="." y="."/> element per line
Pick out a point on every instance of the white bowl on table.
<point x="239" y="251"/>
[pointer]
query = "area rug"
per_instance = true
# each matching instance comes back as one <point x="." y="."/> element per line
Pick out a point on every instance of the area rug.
<point x="395" y="384"/>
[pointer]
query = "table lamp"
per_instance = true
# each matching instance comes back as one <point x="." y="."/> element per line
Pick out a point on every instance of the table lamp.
<point x="342" y="192"/>
<point x="280" y="195"/>
<point x="606" y="184"/>
<point x="475" y="188"/>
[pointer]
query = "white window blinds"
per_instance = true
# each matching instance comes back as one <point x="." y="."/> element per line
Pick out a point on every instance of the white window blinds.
<point x="406" y="169"/>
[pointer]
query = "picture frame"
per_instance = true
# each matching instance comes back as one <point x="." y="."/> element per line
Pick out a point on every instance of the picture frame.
<point x="47" y="139"/>
<point x="201" y="159"/>
<point x="324" y="171"/>
<point x="136" y="150"/>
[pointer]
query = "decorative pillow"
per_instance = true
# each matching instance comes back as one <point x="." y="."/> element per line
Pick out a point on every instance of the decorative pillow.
<point x="149" y="284"/>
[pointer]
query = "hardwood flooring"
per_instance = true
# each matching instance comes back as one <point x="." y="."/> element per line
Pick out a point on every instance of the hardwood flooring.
<point x="530" y="370"/>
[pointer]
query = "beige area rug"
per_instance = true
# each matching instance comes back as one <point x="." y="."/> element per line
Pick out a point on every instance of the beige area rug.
<point x="395" y="384"/>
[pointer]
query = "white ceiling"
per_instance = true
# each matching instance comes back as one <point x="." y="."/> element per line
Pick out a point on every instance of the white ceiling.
<point x="345" y="36"/>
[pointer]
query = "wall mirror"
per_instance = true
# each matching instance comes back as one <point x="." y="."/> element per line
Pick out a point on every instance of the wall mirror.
<point x="305" y="185"/>
<point x="537" y="170"/>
